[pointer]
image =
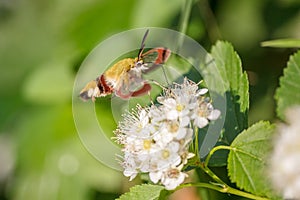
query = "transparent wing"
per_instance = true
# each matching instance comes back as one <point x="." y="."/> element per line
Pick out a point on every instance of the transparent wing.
<point x="129" y="83"/>
<point x="155" y="58"/>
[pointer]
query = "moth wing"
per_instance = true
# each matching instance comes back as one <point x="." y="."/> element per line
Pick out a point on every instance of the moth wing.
<point x="129" y="83"/>
<point x="155" y="58"/>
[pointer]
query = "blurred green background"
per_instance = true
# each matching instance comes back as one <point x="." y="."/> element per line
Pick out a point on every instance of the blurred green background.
<point x="42" y="44"/>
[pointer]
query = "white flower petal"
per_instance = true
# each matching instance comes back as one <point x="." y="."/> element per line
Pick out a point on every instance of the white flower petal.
<point x="201" y="122"/>
<point x="202" y="91"/>
<point x="214" y="114"/>
<point x="181" y="133"/>
<point x="172" y="115"/>
<point x="130" y="173"/>
<point x="174" y="146"/>
<point x="170" y="103"/>
<point x="155" y="176"/>
<point x="184" y="121"/>
<point x="173" y="178"/>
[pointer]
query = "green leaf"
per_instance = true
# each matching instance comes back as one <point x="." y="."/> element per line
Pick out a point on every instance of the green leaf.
<point x="282" y="43"/>
<point x="248" y="158"/>
<point x="236" y="82"/>
<point x="233" y="86"/>
<point x="288" y="93"/>
<point x="144" y="192"/>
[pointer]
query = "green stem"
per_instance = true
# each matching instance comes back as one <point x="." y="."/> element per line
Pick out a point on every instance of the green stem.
<point x="196" y="142"/>
<point x="185" y="15"/>
<point x="210" y="21"/>
<point x="218" y="184"/>
<point x="222" y="189"/>
<point x="214" y="150"/>
<point x="183" y="24"/>
<point x="202" y="185"/>
<point x="211" y="174"/>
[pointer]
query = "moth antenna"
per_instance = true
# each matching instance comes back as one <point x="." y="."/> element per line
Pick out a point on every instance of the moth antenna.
<point x="143" y="45"/>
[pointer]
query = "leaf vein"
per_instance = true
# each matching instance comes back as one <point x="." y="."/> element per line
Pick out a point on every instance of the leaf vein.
<point x="247" y="173"/>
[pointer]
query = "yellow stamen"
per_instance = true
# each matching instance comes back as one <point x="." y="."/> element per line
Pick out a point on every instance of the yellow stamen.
<point x="173" y="127"/>
<point x="165" y="154"/>
<point x="179" y="107"/>
<point x="139" y="127"/>
<point x="147" y="144"/>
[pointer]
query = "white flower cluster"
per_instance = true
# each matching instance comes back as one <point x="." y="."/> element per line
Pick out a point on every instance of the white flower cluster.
<point x="156" y="139"/>
<point x="285" y="160"/>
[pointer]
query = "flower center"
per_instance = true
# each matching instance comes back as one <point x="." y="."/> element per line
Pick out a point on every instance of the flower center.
<point x="139" y="127"/>
<point x="165" y="154"/>
<point x="179" y="107"/>
<point x="147" y="144"/>
<point x="173" y="127"/>
<point x="173" y="173"/>
<point x="202" y="111"/>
